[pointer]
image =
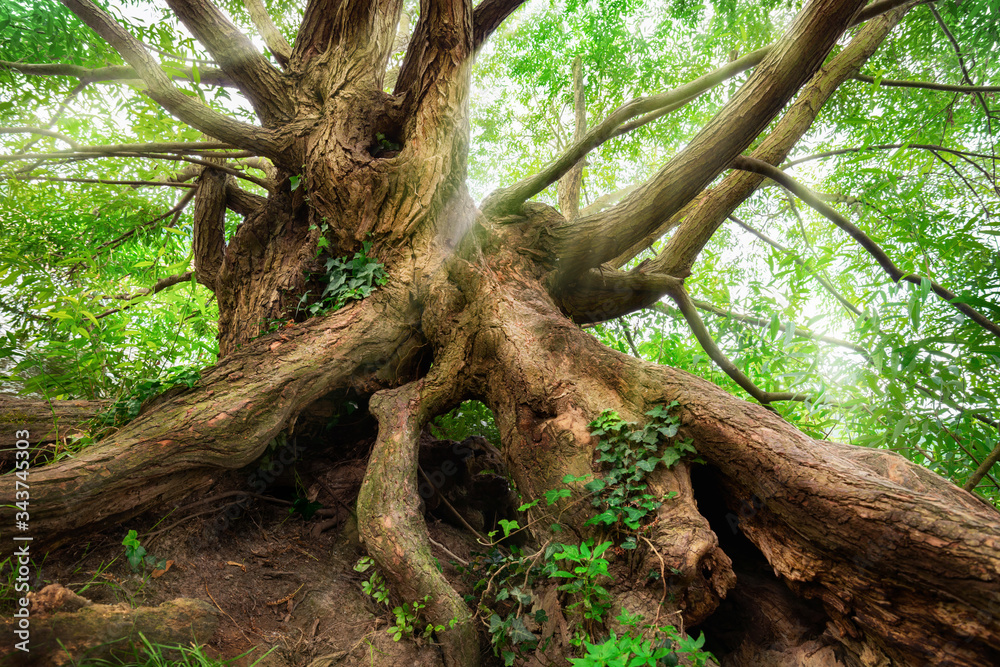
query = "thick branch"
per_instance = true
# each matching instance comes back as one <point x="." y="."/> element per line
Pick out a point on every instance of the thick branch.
<point x="209" y="242"/>
<point x="389" y="516"/>
<point x="643" y="110"/>
<point x="262" y="84"/>
<point x="241" y="201"/>
<point x="694" y="232"/>
<point x="592" y="241"/>
<point x="872" y="248"/>
<point x="507" y="199"/>
<point x="360" y="31"/>
<point x="164" y="92"/>
<point x="488" y="16"/>
<point x="225" y="421"/>
<point x="275" y="41"/>
<point x="442" y="40"/>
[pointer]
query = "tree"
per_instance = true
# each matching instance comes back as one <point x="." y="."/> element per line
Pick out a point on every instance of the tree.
<point x="347" y="171"/>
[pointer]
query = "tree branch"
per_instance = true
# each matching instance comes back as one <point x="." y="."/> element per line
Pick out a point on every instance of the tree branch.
<point x="687" y="308"/>
<point x="40" y="131"/>
<point x="883" y="147"/>
<point x="984" y="468"/>
<point x="928" y="85"/>
<point x="104" y="181"/>
<point x="507" y="199"/>
<point x="175" y="211"/>
<point x="162" y="90"/>
<point x="275" y="41"/>
<point x="263" y="85"/>
<point x="242" y="202"/>
<point x="591" y="241"/>
<point x="209" y="242"/>
<point x="872" y="248"/>
<point x="703" y="219"/>
<point x="647" y="109"/>
<point x="207" y="75"/>
<point x="799" y="332"/>
<point x="488" y="16"/>
<point x="160" y="285"/>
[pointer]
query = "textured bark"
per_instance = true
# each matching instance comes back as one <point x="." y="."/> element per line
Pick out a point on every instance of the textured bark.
<point x="478" y="307"/>
<point x="226" y="421"/>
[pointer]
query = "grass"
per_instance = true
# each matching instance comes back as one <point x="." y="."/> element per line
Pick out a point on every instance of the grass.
<point x="148" y="654"/>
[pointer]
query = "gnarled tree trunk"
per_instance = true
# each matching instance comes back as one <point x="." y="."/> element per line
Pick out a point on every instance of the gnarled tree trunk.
<point x="902" y="565"/>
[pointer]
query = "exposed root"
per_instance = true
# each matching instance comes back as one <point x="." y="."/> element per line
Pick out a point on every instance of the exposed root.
<point x="390" y="520"/>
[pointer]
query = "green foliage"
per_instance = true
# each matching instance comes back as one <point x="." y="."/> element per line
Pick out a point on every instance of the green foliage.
<point x="375" y="586"/>
<point x="137" y="556"/>
<point x="640" y="647"/>
<point x="587" y="569"/>
<point x="127" y="407"/>
<point x="148" y="654"/>
<point x="469" y="418"/>
<point x="631" y="453"/>
<point x="408" y="616"/>
<point x="346" y="280"/>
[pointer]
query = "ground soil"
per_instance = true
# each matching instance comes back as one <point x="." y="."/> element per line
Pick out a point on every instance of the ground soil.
<point x="280" y="582"/>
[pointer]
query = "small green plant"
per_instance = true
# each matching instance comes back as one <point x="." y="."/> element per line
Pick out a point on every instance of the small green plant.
<point x="375" y="586"/>
<point x="511" y="638"/>
<point x="128" y="405"/>
<point x="644" y="645"/>
<point x="587" y="569"/>
<point x="631" y="453"/>
<point x="137" y="556"/>
<point x="148" y="654"/>
<point x="408" y="615"/>
<point x="345" y="280"/>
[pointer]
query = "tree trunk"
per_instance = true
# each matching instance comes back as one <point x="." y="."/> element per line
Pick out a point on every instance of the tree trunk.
<point x="902" y="566"/>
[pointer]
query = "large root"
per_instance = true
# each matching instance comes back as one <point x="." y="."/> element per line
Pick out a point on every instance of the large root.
<point x="225" y="422"/>
<point x="390" y="518"/>
<point x="906" y="564"/>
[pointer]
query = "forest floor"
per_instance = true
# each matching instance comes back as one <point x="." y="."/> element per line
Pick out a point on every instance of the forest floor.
<point x="275" y="580"/>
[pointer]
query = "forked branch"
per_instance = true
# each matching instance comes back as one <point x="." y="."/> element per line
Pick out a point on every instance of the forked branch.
<point x="262" y="84"/>
<point x="163" y="91"/>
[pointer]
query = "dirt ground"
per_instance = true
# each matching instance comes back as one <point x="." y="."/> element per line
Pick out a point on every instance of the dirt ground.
<point x="275" y="579"/>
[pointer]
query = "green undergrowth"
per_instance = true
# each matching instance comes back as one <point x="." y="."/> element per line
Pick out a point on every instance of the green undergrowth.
<point x="510" y="582"/>
<point x="149" y="654"/>
<point x="128" y="405"/>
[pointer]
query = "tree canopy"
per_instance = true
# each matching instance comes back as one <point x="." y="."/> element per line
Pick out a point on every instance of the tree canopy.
<point x="98" y="294"/>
